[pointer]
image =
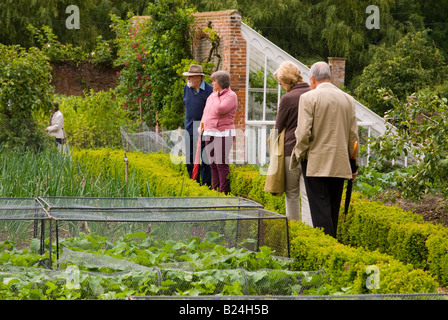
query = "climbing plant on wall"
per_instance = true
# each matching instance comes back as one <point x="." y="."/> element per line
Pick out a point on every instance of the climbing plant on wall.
<point x="150" y="49"/>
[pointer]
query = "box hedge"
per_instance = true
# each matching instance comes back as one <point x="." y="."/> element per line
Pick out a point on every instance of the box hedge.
<point x="400" y="233"/>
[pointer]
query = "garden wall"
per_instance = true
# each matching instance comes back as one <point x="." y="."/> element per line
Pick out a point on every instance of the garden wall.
<point x="73" y="79"/>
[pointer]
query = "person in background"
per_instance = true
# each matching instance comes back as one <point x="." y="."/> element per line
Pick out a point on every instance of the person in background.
<point x="196" y="92"/>
<point x="325" y="136"/>
<point x="56" y="127"/>
<point x="290" y="78"/>
<point x="219" y="129"/>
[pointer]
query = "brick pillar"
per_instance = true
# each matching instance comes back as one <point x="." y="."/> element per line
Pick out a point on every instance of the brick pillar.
<point x="337" y="66"/>
<point x="233" y="58"/>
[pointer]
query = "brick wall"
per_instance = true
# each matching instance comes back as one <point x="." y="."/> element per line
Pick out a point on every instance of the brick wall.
<point x="229" y="56"/>
<point x="70" y="79"/>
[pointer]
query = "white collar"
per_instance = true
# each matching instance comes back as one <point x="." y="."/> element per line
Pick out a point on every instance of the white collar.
<point x="324" y="83"/>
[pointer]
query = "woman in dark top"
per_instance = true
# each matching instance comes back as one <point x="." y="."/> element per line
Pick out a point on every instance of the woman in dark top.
<point x="290" y="78"/>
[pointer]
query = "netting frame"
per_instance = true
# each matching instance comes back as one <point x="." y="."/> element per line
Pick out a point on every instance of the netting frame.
<point x="37" y="213"/>
<point x="245" y="207"/>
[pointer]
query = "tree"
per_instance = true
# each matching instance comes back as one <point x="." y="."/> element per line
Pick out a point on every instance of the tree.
<point x="25" y="77"/>
<point x="16" y="15"/>
<point x="313" y="30"/>
<point x="412" y="64"/>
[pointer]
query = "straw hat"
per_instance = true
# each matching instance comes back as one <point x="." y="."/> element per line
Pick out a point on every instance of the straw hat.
<point x="194" y="70"/>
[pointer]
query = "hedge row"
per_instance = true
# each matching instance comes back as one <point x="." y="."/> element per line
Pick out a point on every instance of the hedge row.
<point x="311" y="248"/>
<point x="155" y="173"/>
<point x="400" y="233"/>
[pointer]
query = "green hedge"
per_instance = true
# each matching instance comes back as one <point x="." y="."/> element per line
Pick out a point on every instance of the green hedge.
<point x="246" y="181"/>
<point x="313" y="250"/>
<point x="155" y="172"/>
<point x="400" y="233"/>
<point x="347" y="266"/>
<point x="310" y="247"/>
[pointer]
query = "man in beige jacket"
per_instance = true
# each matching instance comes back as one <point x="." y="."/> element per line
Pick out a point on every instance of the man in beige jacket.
<point x="325" y="136"/>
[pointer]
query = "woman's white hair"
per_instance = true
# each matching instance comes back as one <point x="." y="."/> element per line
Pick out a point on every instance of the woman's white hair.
<point x="320" y="71"/>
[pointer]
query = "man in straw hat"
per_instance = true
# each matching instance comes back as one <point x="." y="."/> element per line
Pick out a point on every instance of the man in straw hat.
<point x="196" y="92"/>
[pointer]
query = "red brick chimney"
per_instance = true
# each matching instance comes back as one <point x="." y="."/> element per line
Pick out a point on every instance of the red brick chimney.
<point x="337" y="66"/>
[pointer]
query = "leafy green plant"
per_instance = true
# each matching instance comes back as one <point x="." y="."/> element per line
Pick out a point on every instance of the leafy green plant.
<point x="419" y="133"/>
<point x="191" y="267"/>
<point x="149" y="50"/>
<point x="25" y="76"/>
<point x="412" y="64"/>
<point x="55" y="50"/>
<point x="92" y="121"/>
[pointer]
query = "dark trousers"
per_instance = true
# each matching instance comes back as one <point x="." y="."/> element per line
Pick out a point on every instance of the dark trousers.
<point x="204" y="174"/>
<point x="324" y="196"/>
<point x="218" y="150"/>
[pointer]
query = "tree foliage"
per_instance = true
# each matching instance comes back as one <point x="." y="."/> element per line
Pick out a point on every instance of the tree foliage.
<point x="25" y="77"/>
<point x="412" y="64"/>
<point x="418" y="131"/>
<point x="16" y="15"/>
<point x="326" y="28"/>
<point x="151" y="50"/>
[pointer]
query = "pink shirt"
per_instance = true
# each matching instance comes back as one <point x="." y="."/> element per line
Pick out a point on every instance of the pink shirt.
<point x="219" y="113"/>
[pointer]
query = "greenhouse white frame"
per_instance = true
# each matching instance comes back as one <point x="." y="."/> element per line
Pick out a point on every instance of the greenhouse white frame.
<point x="262" y="52"/>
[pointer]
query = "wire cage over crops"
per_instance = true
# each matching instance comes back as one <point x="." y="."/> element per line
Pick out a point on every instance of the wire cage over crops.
<point x="240" y="221"/>
<point x="22" y="219"/>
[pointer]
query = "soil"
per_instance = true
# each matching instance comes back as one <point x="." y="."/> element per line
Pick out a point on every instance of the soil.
<point x="433" y="209"/>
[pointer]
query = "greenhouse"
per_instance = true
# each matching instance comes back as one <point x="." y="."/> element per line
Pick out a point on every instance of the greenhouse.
<point x="264" y="93"/>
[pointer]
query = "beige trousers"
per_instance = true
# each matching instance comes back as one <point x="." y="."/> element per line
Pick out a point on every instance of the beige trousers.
<point x="296" y="208"/>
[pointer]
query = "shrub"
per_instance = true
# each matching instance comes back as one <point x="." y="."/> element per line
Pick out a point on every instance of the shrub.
<point x="155" y="172"/>
<point x="25" y="77"/>
<point x="246" y="181"/>
<point x="92" y="121"/>
<point x="400" y="233"/>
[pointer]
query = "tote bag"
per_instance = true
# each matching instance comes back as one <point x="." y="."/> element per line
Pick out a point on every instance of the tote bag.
<point x="275" y="178"/>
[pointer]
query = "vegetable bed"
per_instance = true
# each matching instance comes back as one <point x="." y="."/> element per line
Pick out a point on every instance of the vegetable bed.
<point x="91" y="267"/>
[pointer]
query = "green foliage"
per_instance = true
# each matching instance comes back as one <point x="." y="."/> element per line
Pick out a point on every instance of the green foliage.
<point x="104" y="52"/>
<point x="191" y="267"/>
<point x="402" y="234"/>
<point x="25" y="77"/>
<point x="48" y="173"/>
<point x="150" y="50"/>
<point x="419" y="133"/>
<point x="246" y="181"/>
<point x="347" y="266"/>
<point x="53" y="49"/>
<point x="328" y="28"/>
<point x="412" y="64"/>
<point x="15" y="16"/>
<point x="369" y="225"/>
<point x="133" y="54"/>
<point x="92" y="121"/>
<point x="147" y="170"/>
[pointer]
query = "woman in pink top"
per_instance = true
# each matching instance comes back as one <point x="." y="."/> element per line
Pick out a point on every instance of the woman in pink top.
<point x="219" y="129"/>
